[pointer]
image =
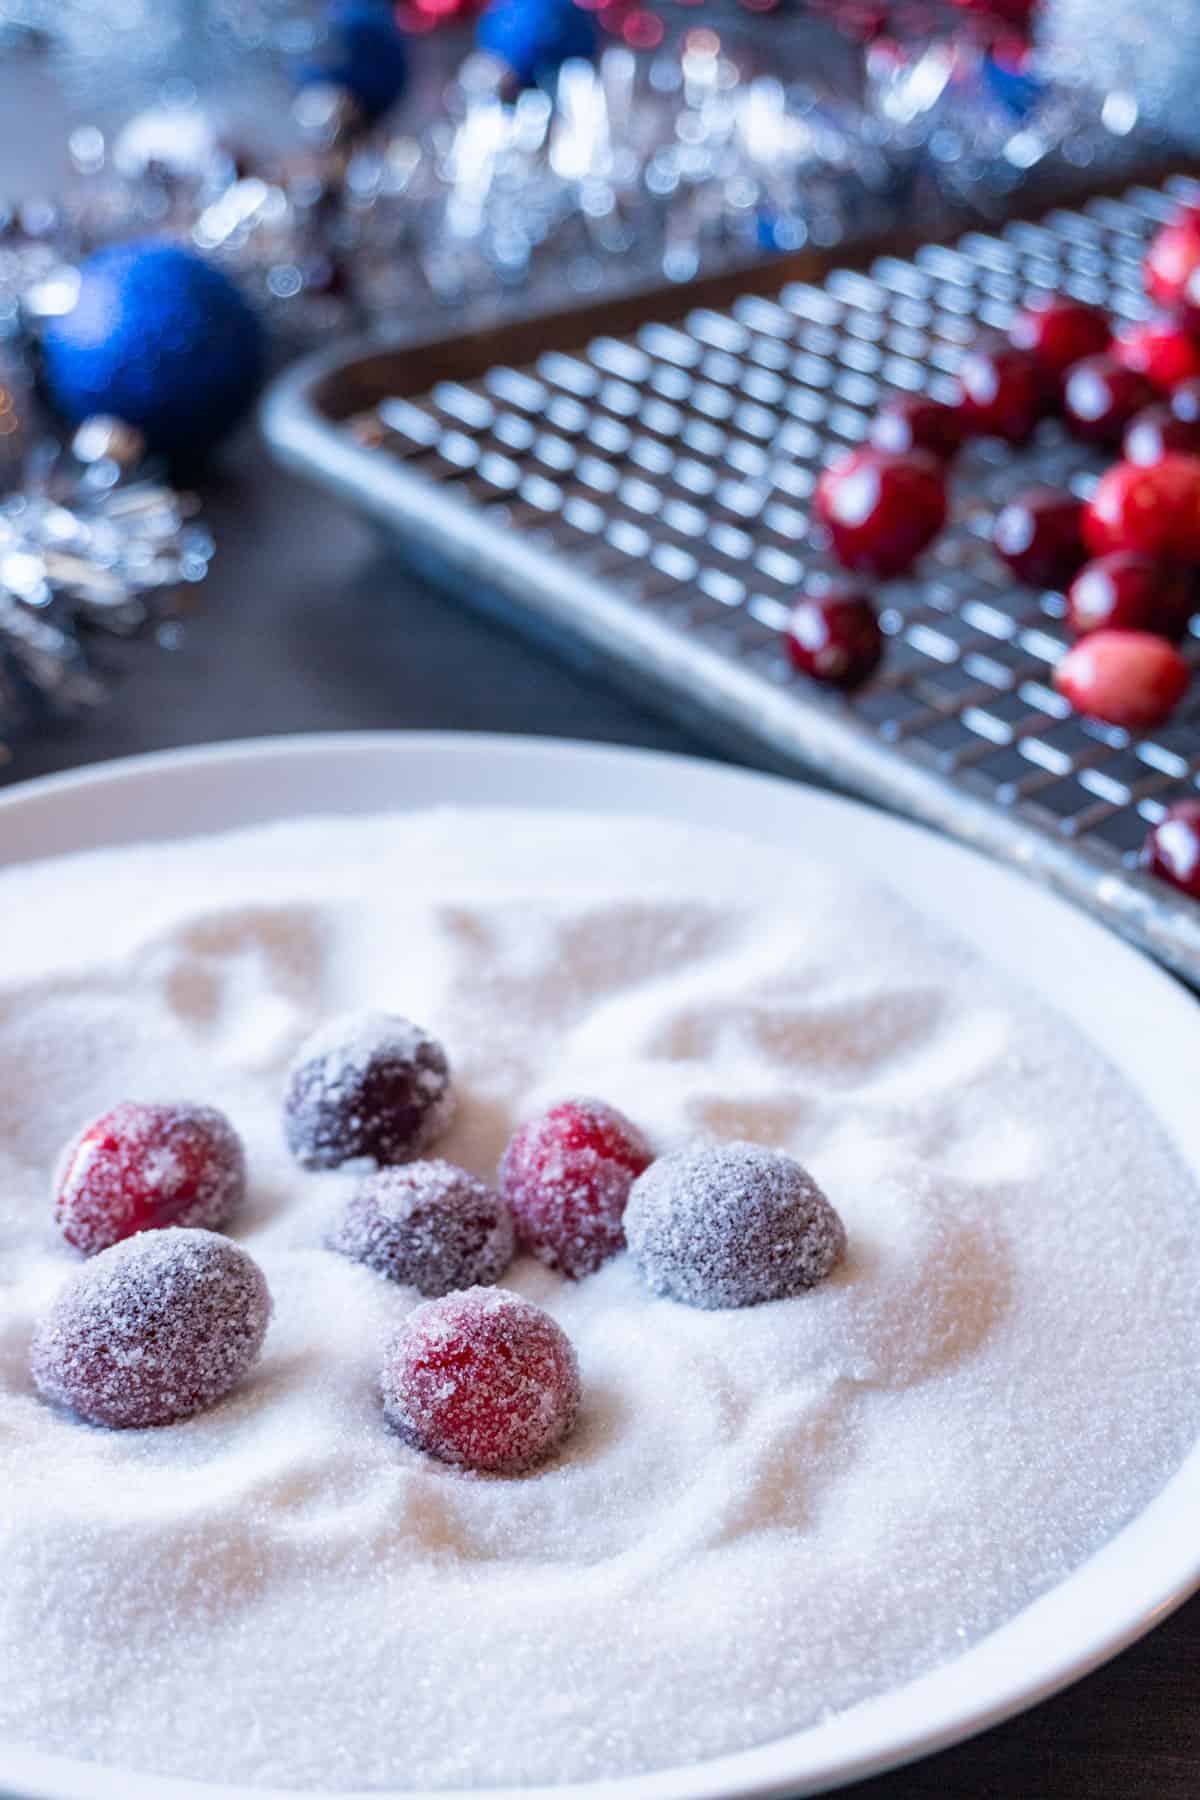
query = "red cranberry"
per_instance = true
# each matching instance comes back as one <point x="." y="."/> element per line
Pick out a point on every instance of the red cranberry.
<point x="881" y="510"/>
<point x="566" y="1175"/>
<point x="1128" y="591"/>
<point x="719" y="1225"/>
<point x="1004" y="392"/>
<point x="835" y="637"/>
<point x="1185" y="402"/>
<point x="1058" y="332"/>
<point x="140" y="1167"/>
<point x="483" y="1379"/>
<point x="1171" y="272"/>
<point x="1037" y="534"/>
<point x="429" y="1225"/>
<point x="1155" y="509"/>
<point x="370" y="1085"/>
<point x="153" y="1329"/>
<point x="1160" y="350"/>
<point x="1156" y="432"/>
<point x="1101" y="395"/>
<point x="1172" y="849"/>
<point x="1129" y="678"/>
<point x="915" y="422"/>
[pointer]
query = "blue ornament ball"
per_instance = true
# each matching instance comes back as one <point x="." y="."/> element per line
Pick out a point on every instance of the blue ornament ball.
<point x="159" y="338"/>
<point x="535" y="36"/>
<point x="363" y="52"/>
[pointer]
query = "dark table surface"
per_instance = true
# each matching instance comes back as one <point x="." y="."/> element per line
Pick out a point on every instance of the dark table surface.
<point x="309" y="623"/>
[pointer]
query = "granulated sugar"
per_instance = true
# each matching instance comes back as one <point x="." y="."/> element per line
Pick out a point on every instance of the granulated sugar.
<point x="762" y="1514"/>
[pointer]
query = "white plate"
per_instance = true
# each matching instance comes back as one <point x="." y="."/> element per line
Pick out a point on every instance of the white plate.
<point x="1147" y="1025"/>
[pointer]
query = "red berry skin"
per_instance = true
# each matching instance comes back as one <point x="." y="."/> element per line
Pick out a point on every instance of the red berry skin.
<point x="881" y="511"/>
<point x="835" y="638"/>
<point x="1155" y="509"/>
<point x="1127" y="678"/>
<point x="1004" y="392"/>
<point x="1171" y="272"/>
<point x="566" y="1176"/>
<point x="141" y="1167"/>
<point x="1156" y="432"/>
<point x="915" y="422"/>
<point x="483" y="1379"/>
<point x="1161" y="350"/>
<point x="1101" y="396"/>
<point x="1058" y="332"/>
<point x="1172" y="849"/>
<point x="1127" y="591"/>
<point x="1038" y="535"/>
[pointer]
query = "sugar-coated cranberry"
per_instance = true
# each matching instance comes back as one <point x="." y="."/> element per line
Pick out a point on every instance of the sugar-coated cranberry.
<point x="152" y="1330"/>
<point x="1004" y="392"/>
<point x="429" y="1225"/>
<point x="719" y="1225"/>
<point x="1037" y="534"/>
<point x="566" y="1176"/>
<point x="916" y="422"/>
<point x="1129" y="591"/>
<point x="1171" y="271"/>
<point x="483" y="1379"/>
<point x="368" y="1085"/>
<point x="1101" y="395"/>
<point x="1172" y="849"/>
<point x="1155" y="508"/>
<point x="1161" y="350"/>
<point x="1156" y="432"/>
<point x="1057" y="332"/>
<point x="835" y="637"/>
<point x="142" y="1166"/>
<point x="1185" y="402"/>
<point x="1129" y="678"/>
<point x="881" y="510"/>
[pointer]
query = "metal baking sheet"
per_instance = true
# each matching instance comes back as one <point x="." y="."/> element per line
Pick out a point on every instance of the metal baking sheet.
<point x="635" y="479"/>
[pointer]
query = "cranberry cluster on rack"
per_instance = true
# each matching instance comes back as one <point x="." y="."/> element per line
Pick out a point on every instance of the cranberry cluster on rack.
<point x="167" y="1316"/>
<point x="1127" y="559"/>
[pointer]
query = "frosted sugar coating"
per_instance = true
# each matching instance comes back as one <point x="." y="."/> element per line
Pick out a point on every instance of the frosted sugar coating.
<point x="367" y="1086"/>
<point x="427" y="1224"/>
<point x="566" y="1175"/>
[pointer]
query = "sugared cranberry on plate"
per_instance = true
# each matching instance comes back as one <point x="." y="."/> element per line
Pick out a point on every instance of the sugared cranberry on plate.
<point x="159" y="1327"/>
<point x="881" y="510"/>
<point x="1155" y="508"/>
<point x="1156" y="432"/>
<point x="1004" y="391"/>
<point x="1129" y="591"/>
<point x="1128" y="678"/>
<point x="835" y="637"/>
<point x="1172" y="849"/>
<point x="1161" y="350"/>
<point x="1101" y="395"/>
<point x="141" y="1166"/>
<point x="369" y="1086"/>
<point x="1171" y="272"/>
<point x="566" y="1176"/>
<point x="429" y="1225"/>
<point x="916" y="422"/>
<point x="723" y="1225"/>
<point x="1057" y="332"/>
<point x="1037" y="534"/>
<point x="483" y="1379"/>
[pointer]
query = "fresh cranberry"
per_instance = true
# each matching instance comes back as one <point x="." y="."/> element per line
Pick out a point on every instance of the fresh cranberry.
<point x="1101" y="395"/>
<point x="1037" y="534"/>
<point x="835" y="637"/>
<point x="1058" y="332"/>
<point x="140" y="1167"/>
<point x="566" y="1176"/>
<point x="881" y="510"/>
<point x="1160" y="350"/>
<point x="1129" y="678"/>
<point x="1156" y="432"/>
<point x="429" y="1225"/>
<point x="152" y="1330"/>
<point x="483" y="1379"/>
<point x="915" y="422"/>
<point x="1172" y="849"/>
<point x="1155" y="509"/>
<point x="370" y="1086"/>
<point x="1185" y="402"/>
<point x="1171" y="272"/>
<point x="1128" y="591"/>
<point x="1004" y="392"/>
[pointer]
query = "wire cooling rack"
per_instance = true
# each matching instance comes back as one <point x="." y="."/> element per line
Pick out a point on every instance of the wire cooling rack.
<point x="645" y="492"/>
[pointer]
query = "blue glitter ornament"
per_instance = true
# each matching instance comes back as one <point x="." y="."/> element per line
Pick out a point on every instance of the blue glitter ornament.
<point x="535" y="36"/>
<point x="159" y="338"/>
<point x="364" y="53"/>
